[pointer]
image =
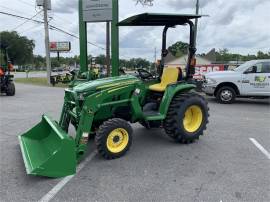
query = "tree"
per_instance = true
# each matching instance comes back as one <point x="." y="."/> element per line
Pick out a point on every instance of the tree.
<point x="19" y="48"/>
<point x="179" y="48"/>
<point x="38" y="61"/>
<point x="55" y="62"/>
<point x="2" y="62"/>
<point x="101" y="59"/>
<point x="262" y="55"/>
<point x="223" y="55"/>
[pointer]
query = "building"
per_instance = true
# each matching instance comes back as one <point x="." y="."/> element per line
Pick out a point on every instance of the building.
<point x="206" y="59"/>
<point x="182" y="61"/>
<point x="204" y="63"/>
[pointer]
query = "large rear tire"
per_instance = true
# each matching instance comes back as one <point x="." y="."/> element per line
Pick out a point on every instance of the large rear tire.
<point x="187" y="117"/>
<point x="10" y="89"/>
<point x="114" y="138"/>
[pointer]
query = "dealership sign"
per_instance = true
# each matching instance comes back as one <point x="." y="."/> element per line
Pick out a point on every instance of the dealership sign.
<point x="97" y="10"/>
<point x="60" y="46"/>
<point x="200" y="70"/>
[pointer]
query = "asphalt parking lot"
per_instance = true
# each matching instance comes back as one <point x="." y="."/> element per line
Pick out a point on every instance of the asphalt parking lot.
<point x="224" y="165"/>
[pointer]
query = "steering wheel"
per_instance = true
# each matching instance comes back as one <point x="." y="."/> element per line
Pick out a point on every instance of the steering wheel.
<point x="143" y="74"/>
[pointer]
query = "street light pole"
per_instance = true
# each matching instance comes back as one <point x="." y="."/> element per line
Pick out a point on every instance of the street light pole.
<point x="46" y="27"/>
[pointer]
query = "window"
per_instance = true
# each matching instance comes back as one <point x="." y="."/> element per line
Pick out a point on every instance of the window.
<point x="259" y="68"/>
<point x="251" y="70"/>
<point x="265" y="67"/>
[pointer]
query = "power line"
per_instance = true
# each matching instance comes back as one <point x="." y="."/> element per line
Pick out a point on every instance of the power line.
<point x="61" y="18"/>
<point x="75" y="36"/>
<point x="13" y="10"/>
<point x="27" y="20"/>
<point x="21" y="17"/>
<point x="26" y="3"/>
<point x="70" y="34"/>
<point x="30" y="29"/>
<point x="50" y="26"/>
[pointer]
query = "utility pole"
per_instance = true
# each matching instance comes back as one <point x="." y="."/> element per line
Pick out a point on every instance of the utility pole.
<point x="46" y="27"/>
<point x="108" y="50"/>
<point x="196" y="20"/>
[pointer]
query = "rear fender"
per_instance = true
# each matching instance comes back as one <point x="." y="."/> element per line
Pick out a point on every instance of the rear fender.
<point x="170" y="92"/>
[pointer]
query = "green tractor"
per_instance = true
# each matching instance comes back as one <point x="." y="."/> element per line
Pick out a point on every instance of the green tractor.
<point x="104" y="109"/>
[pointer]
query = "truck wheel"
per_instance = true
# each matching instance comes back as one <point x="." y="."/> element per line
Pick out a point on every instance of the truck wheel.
<point x="10" y="89"/>
<point x="187" y="117"/>
<point x="114" y="138"/>
<point x="226" y="95"/>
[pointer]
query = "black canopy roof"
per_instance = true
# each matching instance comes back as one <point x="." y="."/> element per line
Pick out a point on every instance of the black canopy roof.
<point x="158" y="19"/>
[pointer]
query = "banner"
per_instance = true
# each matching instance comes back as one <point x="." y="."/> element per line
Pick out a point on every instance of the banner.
<point x="200" y="70"/>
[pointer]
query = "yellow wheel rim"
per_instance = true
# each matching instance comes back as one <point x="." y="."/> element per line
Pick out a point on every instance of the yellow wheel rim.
<point x="193" y="118"/>
<point x="117" y="140"/>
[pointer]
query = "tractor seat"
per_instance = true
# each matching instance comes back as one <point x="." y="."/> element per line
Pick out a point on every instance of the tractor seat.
<point x="169" y="76"/>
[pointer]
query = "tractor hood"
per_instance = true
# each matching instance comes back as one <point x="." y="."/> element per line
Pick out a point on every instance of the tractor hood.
<point x="105" y="83"/>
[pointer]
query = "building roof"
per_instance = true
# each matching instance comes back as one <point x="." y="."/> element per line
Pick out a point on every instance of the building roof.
<point x="169" y="57"/>
<point x="158" y="19"/>
<point x="211" y="55"/>
<point x="183" y="60"/>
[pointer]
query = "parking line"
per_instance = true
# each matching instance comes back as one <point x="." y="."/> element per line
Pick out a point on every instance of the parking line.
<point x="260" y="147"/>
<point x="51" y="194"/>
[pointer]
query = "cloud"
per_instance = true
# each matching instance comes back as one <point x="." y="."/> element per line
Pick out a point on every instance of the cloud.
<point x="65" y="6"/>
<point x="226" y="16"/>
<point x="241" y="26"/>
<point x="182" y="4"/>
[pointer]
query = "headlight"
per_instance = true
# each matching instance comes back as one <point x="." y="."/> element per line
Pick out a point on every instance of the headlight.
<point x="210" y="81"/>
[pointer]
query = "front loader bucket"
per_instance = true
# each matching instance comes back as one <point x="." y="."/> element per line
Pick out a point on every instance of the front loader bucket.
<point x="47" y="150"/>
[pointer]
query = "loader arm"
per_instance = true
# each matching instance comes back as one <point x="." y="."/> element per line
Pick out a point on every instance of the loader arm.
<point x="86" y="114"/>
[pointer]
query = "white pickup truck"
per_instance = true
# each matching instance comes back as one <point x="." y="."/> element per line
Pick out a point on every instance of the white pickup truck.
<point x="251" y="79"/>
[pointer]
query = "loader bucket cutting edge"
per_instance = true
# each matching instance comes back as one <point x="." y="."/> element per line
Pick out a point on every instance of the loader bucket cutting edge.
<point x="47" y="150"/>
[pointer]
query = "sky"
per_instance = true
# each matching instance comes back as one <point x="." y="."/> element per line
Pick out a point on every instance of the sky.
<point x="242" y="26"/>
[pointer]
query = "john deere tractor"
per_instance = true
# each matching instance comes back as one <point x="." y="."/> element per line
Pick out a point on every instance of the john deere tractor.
<point x="105" y="108"/>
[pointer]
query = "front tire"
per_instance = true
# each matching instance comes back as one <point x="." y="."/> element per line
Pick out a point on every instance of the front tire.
<point x="114" y="138"/>
<point x="226" y="95"/>
<point x="187" y="117"/>
<point x="10" y="89"/>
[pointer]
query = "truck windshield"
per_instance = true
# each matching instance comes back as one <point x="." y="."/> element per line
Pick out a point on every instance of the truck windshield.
<point x="244" y="66"/>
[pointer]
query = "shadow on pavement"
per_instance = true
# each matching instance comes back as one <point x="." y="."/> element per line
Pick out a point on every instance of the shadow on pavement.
<point x="242" y="101"/>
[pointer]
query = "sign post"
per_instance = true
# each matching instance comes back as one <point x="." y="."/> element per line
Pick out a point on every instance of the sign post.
<point x="115" y="38"/>
<point x="83" y="39"/>
<point x="99" y="11"/>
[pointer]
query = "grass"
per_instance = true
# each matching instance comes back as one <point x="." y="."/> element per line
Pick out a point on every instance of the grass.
<point x="38" y="82"/>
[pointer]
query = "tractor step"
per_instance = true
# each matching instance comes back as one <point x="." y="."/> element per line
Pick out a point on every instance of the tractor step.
<point x="151" y="113"/>
<point x="153" y="116"/>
